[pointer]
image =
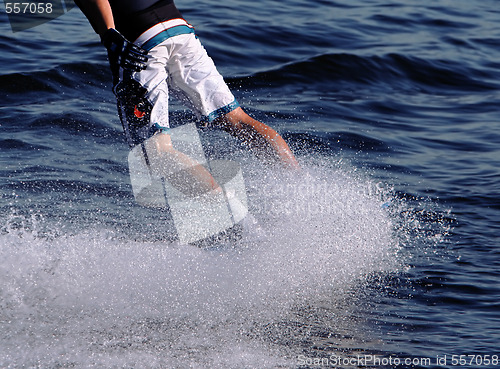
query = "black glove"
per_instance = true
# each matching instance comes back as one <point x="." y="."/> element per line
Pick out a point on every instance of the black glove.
<point x="123" y="53"/>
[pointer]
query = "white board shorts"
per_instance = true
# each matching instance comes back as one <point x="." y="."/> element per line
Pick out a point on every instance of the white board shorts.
<point x="178" y="65"/>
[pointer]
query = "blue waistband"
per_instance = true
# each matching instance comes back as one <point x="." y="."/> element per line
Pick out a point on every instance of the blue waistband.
<point x="166" y="34"/>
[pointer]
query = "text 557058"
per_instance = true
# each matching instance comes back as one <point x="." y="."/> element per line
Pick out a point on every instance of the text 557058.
<point x="28" y="8"/>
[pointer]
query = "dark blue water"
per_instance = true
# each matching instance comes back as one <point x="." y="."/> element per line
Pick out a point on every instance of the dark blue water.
<point x="385" y="247"/>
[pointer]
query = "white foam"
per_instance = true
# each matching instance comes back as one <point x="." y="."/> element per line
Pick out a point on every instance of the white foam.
<point x="97" y="298"/>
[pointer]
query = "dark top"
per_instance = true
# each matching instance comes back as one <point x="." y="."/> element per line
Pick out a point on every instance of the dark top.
<point x="133" y="17"/>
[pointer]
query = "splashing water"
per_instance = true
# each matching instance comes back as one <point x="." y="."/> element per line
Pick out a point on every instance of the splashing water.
<point x="100" y="299"/>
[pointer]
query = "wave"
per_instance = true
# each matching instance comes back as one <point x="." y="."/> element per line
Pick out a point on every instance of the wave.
<point x="70" y="80"/>
<point x="400" y="71"/>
